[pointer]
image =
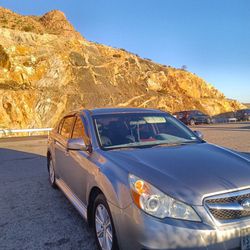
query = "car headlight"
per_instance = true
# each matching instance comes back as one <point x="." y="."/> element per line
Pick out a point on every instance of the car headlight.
<point x="154" y="202"/>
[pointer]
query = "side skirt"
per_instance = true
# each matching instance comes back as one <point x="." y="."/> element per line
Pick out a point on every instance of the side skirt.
<point x="76" y="202"/>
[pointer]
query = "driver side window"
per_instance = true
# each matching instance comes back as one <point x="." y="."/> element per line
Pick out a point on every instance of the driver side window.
<point x="78" y="131"/>
<point x="66" y="128"/>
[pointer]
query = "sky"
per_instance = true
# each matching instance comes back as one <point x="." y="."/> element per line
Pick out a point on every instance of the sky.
<point x="210" y="37"/>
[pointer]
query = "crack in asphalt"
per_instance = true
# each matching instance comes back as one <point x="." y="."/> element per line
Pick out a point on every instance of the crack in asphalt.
<point x="4" y="224"/>
<point x="21" y="159"/>
<point x="57" y="243"/>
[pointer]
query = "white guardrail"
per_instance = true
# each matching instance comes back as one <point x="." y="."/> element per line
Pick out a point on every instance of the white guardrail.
<point x="7" y="132"/>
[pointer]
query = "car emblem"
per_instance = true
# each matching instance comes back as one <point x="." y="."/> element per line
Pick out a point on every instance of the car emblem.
<point x="246" y="204"/>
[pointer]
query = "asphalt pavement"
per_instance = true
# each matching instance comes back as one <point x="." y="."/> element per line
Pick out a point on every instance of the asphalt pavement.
<point x="32" y="214"/>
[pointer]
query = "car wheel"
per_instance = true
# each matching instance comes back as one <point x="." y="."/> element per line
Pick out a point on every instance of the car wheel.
<point x="103" y="225"/>
<point x="52" y="176"/>
<point x="192" y="122"/>
<point x="209" y="121"/>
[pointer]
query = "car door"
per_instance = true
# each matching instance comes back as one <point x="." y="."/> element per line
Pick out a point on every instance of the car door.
<point x="60" y="141"/>
<point x="79" y="168"/>
<point x="200" y="117"/>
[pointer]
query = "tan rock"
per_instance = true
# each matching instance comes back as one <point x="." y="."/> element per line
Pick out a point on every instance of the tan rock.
<point x="49" y="69"/>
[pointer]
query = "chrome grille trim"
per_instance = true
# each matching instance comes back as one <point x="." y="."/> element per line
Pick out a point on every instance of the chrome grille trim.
<point x="226" y="208"/>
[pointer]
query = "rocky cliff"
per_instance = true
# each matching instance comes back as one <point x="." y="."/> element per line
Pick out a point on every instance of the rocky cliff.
<point x="47" y="69"/>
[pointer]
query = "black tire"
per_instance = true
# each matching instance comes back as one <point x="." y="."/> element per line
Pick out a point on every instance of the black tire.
<point x="209" y="121"/>
<point x="100" y="200"/>
<point x="52" y="180"/>
<point x="192" y="122"/>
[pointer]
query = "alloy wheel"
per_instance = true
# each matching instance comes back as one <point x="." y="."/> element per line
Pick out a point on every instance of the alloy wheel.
<point x="103" y="227"/>
<point x="192" y="122"/>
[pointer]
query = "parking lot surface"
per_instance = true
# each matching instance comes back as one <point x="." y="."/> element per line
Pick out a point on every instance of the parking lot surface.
<point x="35" y="216"/>
<point x="231" y="135"/>
<point x="32" y="214"/>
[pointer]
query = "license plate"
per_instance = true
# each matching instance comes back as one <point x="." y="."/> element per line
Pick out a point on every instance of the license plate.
<point x="245" y="239"/>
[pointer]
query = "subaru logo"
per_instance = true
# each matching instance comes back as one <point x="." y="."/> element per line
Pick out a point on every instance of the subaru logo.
<point x="246" y="204"/>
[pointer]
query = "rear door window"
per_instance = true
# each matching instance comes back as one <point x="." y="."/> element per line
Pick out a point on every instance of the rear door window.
<point x="60" y="126"/>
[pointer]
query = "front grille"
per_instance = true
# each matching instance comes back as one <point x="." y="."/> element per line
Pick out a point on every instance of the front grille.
<point x="228" y="207"/>
<point x="224" y="214"/>
<point x="228" y="198"/>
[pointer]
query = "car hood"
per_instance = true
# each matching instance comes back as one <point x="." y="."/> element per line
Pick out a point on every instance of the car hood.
<point x="186" y="172"/>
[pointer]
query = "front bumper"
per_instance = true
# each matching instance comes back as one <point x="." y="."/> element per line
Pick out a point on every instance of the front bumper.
<point x="137" y="230"/>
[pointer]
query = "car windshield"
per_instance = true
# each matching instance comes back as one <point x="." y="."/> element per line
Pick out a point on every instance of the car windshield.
<point x="141" y="130"/>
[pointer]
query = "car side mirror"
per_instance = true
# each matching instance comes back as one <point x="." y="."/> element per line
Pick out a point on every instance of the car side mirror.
<point x="199" y="134"/>
<point x="76" y="144"/>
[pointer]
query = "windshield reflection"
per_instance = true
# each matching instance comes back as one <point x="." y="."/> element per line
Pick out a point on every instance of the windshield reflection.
<point x="141" y="131"/>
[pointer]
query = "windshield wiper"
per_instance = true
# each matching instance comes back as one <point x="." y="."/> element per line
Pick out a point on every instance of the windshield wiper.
<point x="137" y="145"/>
<point x="126" y="146"/>
<point x="171" y="144"/>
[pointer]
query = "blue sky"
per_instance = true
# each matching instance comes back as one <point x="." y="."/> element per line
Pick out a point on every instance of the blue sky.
<point x="210" y="37"/>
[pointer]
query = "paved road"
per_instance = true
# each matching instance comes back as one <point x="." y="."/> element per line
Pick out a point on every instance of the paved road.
<point x="34" y="216"/>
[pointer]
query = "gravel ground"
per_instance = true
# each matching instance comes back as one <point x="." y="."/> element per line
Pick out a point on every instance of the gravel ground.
<point x="35" y="216"/>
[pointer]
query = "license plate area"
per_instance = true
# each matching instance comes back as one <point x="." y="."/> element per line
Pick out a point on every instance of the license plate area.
<point x="245" y="239"/>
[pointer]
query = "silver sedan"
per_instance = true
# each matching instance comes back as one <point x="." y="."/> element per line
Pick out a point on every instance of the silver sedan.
<point x="143" y="180"/>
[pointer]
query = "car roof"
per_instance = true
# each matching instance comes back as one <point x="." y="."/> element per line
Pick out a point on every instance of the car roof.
<point x="184" y="111"/>
<point x="100" y="111"/>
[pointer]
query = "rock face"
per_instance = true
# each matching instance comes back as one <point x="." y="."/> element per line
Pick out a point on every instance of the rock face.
<point x="48" y="69"/>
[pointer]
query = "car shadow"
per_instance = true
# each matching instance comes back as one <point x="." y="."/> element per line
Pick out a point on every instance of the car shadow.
<point x="33" y="214"/>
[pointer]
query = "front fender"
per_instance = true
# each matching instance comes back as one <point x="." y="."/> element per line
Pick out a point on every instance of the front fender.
<point x="112" y="181"/>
